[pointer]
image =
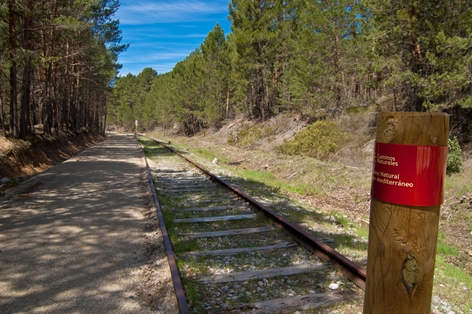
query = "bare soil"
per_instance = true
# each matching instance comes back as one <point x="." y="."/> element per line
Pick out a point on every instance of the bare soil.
<point x="20" y="158"/>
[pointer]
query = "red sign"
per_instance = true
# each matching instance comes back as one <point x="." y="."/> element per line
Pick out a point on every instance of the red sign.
<point x="408" y="174"/>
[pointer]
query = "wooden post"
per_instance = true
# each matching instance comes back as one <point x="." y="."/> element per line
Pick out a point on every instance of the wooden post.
<point x="407" y="190"/>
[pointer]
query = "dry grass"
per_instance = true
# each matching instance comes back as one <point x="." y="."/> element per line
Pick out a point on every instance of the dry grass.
<point x="339" y="186"/>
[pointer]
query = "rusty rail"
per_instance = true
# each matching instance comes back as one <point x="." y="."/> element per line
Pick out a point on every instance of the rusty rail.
<point x="178" y="287"/>
<point x="352" y="271"/>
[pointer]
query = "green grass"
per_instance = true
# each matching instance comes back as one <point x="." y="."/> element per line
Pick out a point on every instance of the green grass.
<point x="259" y="176"/>
<point x="363" y="232"/>
<point x="444" y="248"/>
<point x="179" y="245"/>
<point x="193" y="296"/>
<point x="458" y="274"/>
<point x="448" y="276"/>
<point x="208" y="155"/>
<point x="340" y="219"/>
<point x="269" y="179"/>
<point x="458" y="185"/>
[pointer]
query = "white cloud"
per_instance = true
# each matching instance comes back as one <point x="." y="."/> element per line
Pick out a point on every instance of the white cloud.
<point x="155" y="56"/>
<point x="164" y="32"/>
<point x="159" y="59"/>
<point x="150" y="12"/>
<point x="144" y="36"/>
<point x="137" y="68"/>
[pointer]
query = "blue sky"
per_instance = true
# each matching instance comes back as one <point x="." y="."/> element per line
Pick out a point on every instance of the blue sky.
<point x="163" y="32"/>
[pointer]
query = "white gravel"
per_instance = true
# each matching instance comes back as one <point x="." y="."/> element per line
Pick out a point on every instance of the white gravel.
<point x="82" y="238"/>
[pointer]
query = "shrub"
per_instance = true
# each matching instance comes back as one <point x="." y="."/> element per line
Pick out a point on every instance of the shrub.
<point x="251" y="135"/>
<point x="319" y="140"/>
<point x="454" y="156"/>
<point x="248" y="136"/>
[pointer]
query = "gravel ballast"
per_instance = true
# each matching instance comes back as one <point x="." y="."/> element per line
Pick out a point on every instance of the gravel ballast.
<point x="82" y="237"/>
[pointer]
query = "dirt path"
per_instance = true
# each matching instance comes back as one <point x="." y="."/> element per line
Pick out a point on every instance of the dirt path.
<point x="81" y="238"/>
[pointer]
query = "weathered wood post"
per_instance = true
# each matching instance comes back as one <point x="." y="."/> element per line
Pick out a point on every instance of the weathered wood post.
<point x="407" y="190"/>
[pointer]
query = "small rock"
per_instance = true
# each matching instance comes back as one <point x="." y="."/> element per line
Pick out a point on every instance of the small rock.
<point x="333" y="286"/>
<point x="4" y="180"/>
<point x="215" y="161"/>
<point x="332" y="275"/>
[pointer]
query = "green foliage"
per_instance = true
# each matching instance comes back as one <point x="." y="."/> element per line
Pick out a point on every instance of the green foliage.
<point x="57" y="62"/>
<point x="318" y="140"/>
<point x="262" y="32"/>
<point x="251" y="135"/>
<point x="424" y="51"/>
<point x="330" y="49"/>
<point x="454" y="156"/>
<point x="315" y="58"/>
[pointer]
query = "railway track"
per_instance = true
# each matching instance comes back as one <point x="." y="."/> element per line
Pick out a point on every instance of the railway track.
<point x="230" y="254"/>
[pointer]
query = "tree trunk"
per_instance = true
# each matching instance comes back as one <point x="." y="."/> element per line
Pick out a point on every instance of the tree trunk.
<point x="13" y="70"/>
<point x="2" y="105"/>
<point x="25" y="115"/>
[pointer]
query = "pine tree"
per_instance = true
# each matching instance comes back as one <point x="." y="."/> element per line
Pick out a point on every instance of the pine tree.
<point x="425" y="51"/>
<point x="60" y="57"/>
<point x="216" y="68"/>
<point x="255" y="28"/>
<point x="328" y="45"/>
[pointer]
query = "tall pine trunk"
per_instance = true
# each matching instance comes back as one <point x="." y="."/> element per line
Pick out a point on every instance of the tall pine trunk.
<point x="25" y="115"/>
<point x="13" y="70"/>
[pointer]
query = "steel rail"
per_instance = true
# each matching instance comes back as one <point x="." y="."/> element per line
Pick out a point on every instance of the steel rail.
<point x="352" y="271"/>
<point x="178" y="287"/>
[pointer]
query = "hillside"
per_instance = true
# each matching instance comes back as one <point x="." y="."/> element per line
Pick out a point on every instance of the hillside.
<point x="338" y="182"/>
<point x="20" y="159"/>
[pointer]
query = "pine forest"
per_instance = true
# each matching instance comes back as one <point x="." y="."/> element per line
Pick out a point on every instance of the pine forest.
<point x="58" y="60"/>
<point x="59" y="64"/>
